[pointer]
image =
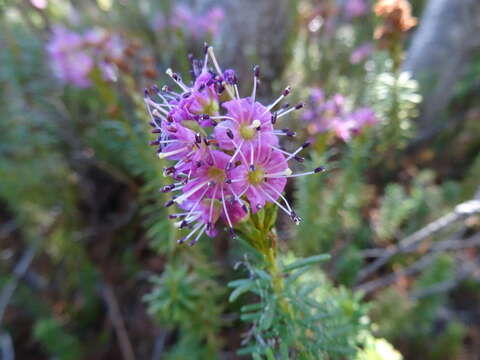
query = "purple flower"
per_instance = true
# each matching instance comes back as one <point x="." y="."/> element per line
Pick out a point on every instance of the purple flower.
<point x="352" y="124"/>
<point x="330" y="115"/>
<point x="361" y="53"/>
<point x="197" y="25"/>
<point x="69" y="61"/>
<point x="231" y="170"/>
<point x="355" y="8"/>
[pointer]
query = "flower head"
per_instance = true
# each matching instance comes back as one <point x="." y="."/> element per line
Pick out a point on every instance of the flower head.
<point x="228" y="161"/>
<point x="69" y="61"/>
<point x="331" y="115"/>
<point x="197" y="25"/>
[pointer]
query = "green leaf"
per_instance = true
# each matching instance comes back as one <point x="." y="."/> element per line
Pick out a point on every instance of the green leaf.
<point x="306" y="262"/>
<point x="267" y="316"/>
<point x="240" y="290"/>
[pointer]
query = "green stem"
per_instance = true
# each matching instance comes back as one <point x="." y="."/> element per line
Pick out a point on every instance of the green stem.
<point x="278" y="284"/>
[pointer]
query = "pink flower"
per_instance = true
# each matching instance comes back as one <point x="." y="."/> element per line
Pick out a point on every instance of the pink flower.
<point x="356" y="8"/>
<point x="246" y="124"/>
<point x="352" y="124"/>
<point x="361" y="53"/>
<point x="195" y="25"/>
<point x="69" y="61"/>
<point x="330" y="115"/>
<point x="224" y="173"/>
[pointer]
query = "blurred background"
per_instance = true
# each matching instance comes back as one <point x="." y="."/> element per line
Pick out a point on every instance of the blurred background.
<point x="89" y="265"/>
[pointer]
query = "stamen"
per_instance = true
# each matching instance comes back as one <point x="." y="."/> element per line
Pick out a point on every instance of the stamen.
<point x="175" y="77"/>
<point x="296" y="107"/>
<point x="185" y="196"/>
<point x="194" y="241"/>
<point x="226" y="211"/>
<point x="256" y="75"/>
<point x="285" y="93"/>
<point x="195" y="229"/>
<point x="173" y="152"/>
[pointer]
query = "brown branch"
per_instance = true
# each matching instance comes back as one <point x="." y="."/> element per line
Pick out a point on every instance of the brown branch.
<point x="420" y="264"/>
<point x="117" y="321"/>
<point x="466" y="270"/>
<point x="410" y="243"/>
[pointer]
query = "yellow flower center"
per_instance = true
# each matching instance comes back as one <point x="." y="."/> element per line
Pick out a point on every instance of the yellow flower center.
<point x="216" y="174"/>
<point x="256" y="176"/>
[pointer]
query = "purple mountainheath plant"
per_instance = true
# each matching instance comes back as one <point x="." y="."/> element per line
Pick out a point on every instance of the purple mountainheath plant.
<point x="227" y="161"/>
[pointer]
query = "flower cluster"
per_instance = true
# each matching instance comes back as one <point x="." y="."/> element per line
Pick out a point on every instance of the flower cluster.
<point x="194" y="25"/>
<point x="330" y="115"/>
<point x="73" y="55"/>
<point x="227" y="154"/>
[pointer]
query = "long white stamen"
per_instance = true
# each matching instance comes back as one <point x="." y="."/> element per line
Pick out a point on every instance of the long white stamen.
<point x="282" y="173"/>
<point x="279" y="194"/>
<point x="157" y="106"/>
<point x="214" y="60"/>
<point x="254" y="91"/>
<point x="240" y="152"/>
<point x="170" y="73"/>
<point x="237" y="94"/>
<point x="277" y="203"/>
<point x="173" y="152"/>
<point x="210" y="213"/>
<point x="185" y="196"/>
<point x="297" y="175"/>
<point x="280" y="150"/>
<point x="225" y="208"/>
<point x="232" y="159"/>
<point x="198" y="201"/>
<point x="194" y="241"/>
<point x="219" y="71"/>
<point x="198" y="226"/>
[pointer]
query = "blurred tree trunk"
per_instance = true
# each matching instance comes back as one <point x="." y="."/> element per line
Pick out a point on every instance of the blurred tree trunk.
<point x="439" y="53"/>
<point x="254" y="32"/>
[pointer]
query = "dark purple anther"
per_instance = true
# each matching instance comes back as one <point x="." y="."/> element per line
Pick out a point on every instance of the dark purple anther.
<point x="287" y="91"/>
<point x="229" y="133"/>
<point x="169" y="203"/>
<point x="256" y="71"/>
<point x="230" y="77"/>
<point x="319" y="169"/>
<point x="274" y="117"/>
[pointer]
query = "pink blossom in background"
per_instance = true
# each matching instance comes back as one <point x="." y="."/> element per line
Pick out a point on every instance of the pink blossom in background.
<point x="197" y="25"/>
<point x="39" y="4"/>
<point x="330" y="115"/>
<point x="69" y="61"/>
<point x="73" y="55"/>
<point x="361" y="53"/>
<point x="355" y="8"/>
<point x="353" y="123"/>
<point x="183" y="18"/>
<point x="210" y="22"/>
